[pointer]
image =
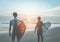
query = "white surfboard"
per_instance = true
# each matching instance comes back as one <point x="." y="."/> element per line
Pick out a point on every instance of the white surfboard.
<point x="46" y="26"/>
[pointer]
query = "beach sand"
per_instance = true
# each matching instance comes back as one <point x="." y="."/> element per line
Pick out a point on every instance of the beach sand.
<point x="52" y="35"/>
<point x="29" y="36"/>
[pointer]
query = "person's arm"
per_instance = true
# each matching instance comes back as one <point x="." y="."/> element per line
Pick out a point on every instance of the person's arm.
<point x="10" y="28"/>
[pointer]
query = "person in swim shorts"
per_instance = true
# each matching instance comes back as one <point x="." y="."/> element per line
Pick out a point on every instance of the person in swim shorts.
<point x="38" y="27"/>
<point x="15" y="32"/>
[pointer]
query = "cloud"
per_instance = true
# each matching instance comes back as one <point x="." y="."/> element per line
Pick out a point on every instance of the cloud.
<point x="53" y="11"/>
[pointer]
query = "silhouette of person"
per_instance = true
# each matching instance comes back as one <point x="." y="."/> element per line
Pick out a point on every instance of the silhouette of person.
<point x="15" y="32"/>
<point x="39" y="29"/>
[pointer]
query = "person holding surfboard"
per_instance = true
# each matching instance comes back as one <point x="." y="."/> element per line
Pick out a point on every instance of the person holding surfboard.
<point x="39" y="29"/>
<point x="16" y="23"/>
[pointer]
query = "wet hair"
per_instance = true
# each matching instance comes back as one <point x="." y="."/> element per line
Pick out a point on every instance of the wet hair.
<point x="39" y="18"/>
<point x="14" y="14"/>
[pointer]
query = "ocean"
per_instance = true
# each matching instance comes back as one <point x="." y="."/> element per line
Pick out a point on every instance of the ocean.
<point x="4" y="22"/>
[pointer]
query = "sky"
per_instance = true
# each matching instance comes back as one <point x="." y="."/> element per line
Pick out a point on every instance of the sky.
<point x="30" y="7"/>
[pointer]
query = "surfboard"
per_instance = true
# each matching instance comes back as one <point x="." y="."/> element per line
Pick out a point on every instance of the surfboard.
<point x="22" y="28"/>
<point x="46" y="26"/>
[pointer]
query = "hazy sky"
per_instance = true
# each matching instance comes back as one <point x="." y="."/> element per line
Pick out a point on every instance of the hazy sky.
<point x="30" y="7"/>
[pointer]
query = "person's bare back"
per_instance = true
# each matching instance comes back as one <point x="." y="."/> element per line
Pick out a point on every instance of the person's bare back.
<point x="39" y="25"/>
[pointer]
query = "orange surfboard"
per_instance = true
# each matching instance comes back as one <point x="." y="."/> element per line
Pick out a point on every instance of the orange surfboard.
<point x="22" y="28"/>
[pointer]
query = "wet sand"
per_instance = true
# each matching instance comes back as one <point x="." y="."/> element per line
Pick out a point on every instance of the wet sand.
<point x="52" y="35"/>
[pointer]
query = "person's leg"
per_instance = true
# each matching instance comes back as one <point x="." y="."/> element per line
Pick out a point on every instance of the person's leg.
<point x="13" y="40"/>
<point x="41" y="37"/>
<point x="18" y="38"/>
<point x="38" y="38"/>
<point x="13" y="37"/>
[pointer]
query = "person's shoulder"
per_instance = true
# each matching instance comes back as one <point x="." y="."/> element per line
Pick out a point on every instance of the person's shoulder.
<point x="11" y="20"/>
<point x="41" y="21"/>
<point x="19" y="19"/>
